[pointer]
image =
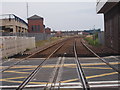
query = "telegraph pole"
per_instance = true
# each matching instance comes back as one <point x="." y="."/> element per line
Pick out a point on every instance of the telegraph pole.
<point x="27" y="8"/>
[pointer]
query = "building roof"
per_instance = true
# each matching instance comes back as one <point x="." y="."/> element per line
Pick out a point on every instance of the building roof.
<point x="34" y="17"/>
<point x="47" y="28"/>
<point x="104" y="6"/>
<point x="12" y="16"/>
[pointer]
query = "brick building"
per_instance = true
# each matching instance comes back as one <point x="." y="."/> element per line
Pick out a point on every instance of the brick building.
<point x="48" y="30"/>
<point x="111" y="11"/>
<point x="36" y="24"/>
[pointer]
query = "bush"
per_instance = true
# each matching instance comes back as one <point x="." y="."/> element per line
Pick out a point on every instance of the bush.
<point x="92" y="41"/>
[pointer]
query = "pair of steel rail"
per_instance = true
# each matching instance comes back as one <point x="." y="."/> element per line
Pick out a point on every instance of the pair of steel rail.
<point x="36" y="70"/>
<point x="19" y="61"/>
<point x="81" y="73"/>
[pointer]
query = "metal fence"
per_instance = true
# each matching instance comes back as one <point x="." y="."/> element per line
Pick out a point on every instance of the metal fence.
<point x="38" y="36"/>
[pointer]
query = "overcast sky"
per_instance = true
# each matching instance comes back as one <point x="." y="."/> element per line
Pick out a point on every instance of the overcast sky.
<point x="59" y="15"/>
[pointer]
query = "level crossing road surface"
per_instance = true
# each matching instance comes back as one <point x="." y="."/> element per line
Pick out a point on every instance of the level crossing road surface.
<point x="97" y="73"/>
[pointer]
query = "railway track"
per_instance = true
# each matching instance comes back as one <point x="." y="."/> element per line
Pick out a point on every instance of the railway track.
<point x="21" y="60"/>
<point x="55" y="81"/>
<point x="86" y="85"/>
<point x="81" y="74"/>
<point x="100" y="58"/>
<point x="35" y="71"/>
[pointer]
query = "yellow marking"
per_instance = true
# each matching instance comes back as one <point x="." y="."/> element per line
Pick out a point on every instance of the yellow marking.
<point x="5" y="79"/>
<point x="51" y="66"/>
<point x="2" y="67"/>
<point x="101" y="75"/>
<point x="97" y="68"/>
<point x="25" y="69"/>
<point x="87" y="64"/>
<point x="66" y="81"/>
<point x="14" y="81"/>
<point x="15" y="78"/>
<point x="84" y="64"/>
<point x="74" y="65"/>
<point x="29" y="82"/>
<point x="17" y="72"/>
<point x="94" y="76"/>
<point x="24" y="66"/>
<point x="69" y="80"/>
<point x="90" y="67"/>
<point x="37" y="82"/>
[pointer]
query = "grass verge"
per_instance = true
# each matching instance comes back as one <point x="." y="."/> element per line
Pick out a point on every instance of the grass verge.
<point x="91" y="41"/>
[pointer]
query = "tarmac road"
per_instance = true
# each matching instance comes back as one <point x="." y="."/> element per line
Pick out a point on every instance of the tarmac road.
<point x="99" y="75"/>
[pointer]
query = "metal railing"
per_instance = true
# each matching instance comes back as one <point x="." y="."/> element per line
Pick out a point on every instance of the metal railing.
<point x="38" y="36"/>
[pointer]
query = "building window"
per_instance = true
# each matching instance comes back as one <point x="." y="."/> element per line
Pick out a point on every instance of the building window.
<point x="35" y="27"/>
<point x="32" y="28"/>
<point x="38" y="27"/>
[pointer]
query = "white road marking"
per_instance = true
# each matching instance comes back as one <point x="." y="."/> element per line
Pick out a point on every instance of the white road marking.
<point x="74" y="84"/>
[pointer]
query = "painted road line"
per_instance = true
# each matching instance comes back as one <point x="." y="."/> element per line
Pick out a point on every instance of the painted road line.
<point x="89" y="77"/>
<point x="2" y="67"/>
<point x="107" y="85"/>
<point x="26" y="69"/>
<point x="92" y="64"/>
<point x="66" y="81"/>
<point x="96" y="68"/>
<point x="104" y="82"/>
<point x="69" y="85"/>
<point x="52" y="65"/>
<point x="12" y="78"/>
<point x="74" y="65"/>
<point x="89" y="67"/>
<point x="101" y="75"/>
<point x="13" y="81"/>
<point x="25" y="66"/>
<point x="17" y="72"/>
<point x="42" y="85"/>
<point x="71" y="80"/>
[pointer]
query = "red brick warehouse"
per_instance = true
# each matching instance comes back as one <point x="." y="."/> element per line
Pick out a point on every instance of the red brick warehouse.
<point x="36" y="24"/>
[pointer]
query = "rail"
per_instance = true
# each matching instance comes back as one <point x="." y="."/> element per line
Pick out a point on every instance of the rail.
<point x="35" y="71"/>
<point x="81" y="74"/>
<point x="102" y="59"/>
<point x="29" y="56"/>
